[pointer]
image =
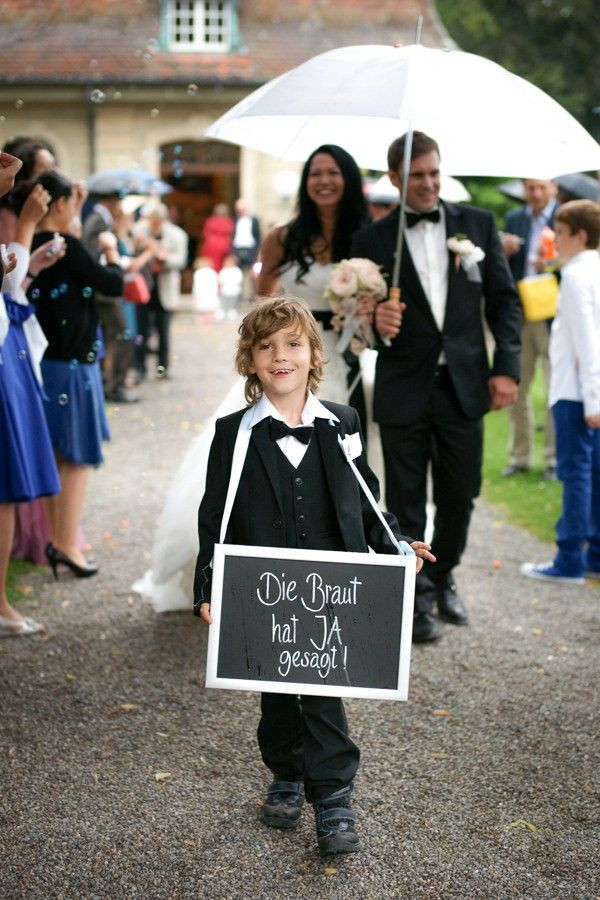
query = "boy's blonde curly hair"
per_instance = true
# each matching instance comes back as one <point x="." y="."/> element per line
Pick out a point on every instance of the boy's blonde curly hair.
<point x="267" y="316"/>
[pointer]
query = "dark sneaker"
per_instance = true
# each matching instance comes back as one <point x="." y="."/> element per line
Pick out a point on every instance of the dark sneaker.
<point x="335" y="824"/>
<point x="549" y="572"/>
<point x="283" y="805"/>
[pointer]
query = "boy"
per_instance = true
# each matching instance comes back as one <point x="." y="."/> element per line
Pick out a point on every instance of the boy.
<point x="574" y="397"/>
<point x="285" y="499"/>
<point x="231" y="281"/>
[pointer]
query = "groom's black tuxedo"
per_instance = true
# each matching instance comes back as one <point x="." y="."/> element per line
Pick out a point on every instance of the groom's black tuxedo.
<point x="430" y="413"/>
<point x="406" y="370"/>
<point x="258" y="512"/>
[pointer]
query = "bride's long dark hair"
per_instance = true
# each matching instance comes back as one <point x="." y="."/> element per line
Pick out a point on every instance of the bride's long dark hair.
<point x="307" y="226"/>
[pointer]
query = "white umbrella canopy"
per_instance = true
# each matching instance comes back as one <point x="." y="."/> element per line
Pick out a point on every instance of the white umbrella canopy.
<point x="486" y="120"/>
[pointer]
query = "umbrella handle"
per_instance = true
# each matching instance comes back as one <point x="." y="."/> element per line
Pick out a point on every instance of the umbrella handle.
<point x="394" y="296"/>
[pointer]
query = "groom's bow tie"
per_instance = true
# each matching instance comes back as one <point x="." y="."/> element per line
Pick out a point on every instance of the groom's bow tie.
<point x="412" y="218"/>
<point x="279" y="429"/>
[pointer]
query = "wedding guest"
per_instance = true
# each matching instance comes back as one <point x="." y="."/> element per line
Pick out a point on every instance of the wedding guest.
<point x="303" y="741"/>
<point x="36" y="157"/>
<point x="433" y="381"/>
<point x="205" y="286"/>
<point x="27" y="468"/>
<point x="521" y="241"/>
<point x="64" y="299"/>
<point x="217" y="235"/>
<point x="170" y="257"/>
<point x="574" y="397"/>
<point x="231" y="280"/>
<point x="245" y="243"/>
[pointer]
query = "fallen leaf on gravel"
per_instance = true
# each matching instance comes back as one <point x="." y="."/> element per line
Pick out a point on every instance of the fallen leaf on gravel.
<point x="162" y="734"/>
<point x="497" y="524"/>
<point x="536" y="631"/>
<point x="441" y="712"/>
<point x="161" y="776"/>
<point x="106" y="535"/>
<point x="124" y="523"/>
<point x="304" y="865"/>
<point x="116" y="651"/>
<point x="523" y="823"/>
<point x="497" y="564"/>
<point x="24" y="589"/>
<point x="46" y="637"/>
<point x="540" y="670"/>
<point x="69" y="677"/>
<point x="128" y="707"/>
<point x="65" y="603"/>
<point x="11" y="752"/>
<point x="560" y="648"/>
<point x="435" y="755"/>
<point x="329" y="870"/>
<point x="189" y="842"/>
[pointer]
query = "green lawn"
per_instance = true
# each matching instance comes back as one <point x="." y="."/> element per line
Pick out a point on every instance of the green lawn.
<point x="15" y="588"/>
<point x="526" y="499"/>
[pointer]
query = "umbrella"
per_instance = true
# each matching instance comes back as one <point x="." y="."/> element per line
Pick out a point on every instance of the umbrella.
<point x="127" y="181"/>
<point x="580" y="186"/>
<point x="383" y="191"/>
<point x="486" y="120"/>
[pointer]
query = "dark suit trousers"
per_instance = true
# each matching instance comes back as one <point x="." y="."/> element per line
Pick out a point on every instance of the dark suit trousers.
<point x="148" y="313"/>
<point x="453" y="444"/>
<point x="306" y="738"/>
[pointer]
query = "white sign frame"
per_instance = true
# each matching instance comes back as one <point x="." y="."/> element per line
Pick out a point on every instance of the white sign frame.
<point x="222" y="551"/>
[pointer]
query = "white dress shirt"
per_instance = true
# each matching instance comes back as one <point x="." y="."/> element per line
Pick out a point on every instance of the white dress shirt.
<point x="290" y="446"/>
<point x="427" y="244"/>
<point x="575" y="335"/>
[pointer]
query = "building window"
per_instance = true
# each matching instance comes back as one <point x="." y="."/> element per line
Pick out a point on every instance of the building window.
<point x="204" y="25"/>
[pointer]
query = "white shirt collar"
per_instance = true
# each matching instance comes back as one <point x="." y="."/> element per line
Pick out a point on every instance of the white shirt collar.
<point x="313" y="409"/>
<point x="546" y="212"/>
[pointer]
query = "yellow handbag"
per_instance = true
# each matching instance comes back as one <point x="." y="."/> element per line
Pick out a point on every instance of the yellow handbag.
<point x="538" y="294"/>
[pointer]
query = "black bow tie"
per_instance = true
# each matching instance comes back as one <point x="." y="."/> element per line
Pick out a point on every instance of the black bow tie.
<point x="279" y="429"/>
<point x="412" y="218"/>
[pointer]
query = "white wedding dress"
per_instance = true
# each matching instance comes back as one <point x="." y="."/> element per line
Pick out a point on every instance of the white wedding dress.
<point x="168" y="584"/>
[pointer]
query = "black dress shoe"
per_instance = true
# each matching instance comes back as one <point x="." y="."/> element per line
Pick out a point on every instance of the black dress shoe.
<point x="450" y="606"/>
<point x="511" y="470"/>
<point x="283" y="805"/>
<point x="550" y="474"/>
<point x="425" y="628"/>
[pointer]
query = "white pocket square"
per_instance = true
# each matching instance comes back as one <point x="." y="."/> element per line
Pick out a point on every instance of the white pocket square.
<point x="352" y="445"/>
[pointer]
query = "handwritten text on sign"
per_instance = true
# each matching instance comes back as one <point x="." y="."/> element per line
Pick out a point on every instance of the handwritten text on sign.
<point x="293" y="620"/>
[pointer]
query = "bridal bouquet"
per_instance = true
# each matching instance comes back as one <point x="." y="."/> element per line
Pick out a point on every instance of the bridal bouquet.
<point x="354" y="287"/>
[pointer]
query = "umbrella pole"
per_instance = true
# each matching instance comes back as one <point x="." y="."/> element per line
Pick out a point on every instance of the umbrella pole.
<point x="394" y="293"/>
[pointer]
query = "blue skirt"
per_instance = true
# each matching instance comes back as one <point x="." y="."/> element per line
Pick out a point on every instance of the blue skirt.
<point x="75" y="410"/>
<point x="27" y="467"/>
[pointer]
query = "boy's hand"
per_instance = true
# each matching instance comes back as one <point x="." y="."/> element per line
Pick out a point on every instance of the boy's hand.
<point x="205" y="613"/>
<point x="593" y="421"/>
<point x="422" y="552"/>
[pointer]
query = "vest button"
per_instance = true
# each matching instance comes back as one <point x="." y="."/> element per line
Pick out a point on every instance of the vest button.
<point x="299" y="497"/>
<point x="302" y="535"/>
<point x="277" y="523"/>
<point x="297" y="480"/>
<point x="301" y="517"/>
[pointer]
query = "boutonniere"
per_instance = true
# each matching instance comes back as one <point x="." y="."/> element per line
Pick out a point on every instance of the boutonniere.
<point x="467" y="254"/>
<point x="351" y="445"/>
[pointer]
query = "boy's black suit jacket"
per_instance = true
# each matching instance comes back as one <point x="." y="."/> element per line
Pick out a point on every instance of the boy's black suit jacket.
<point x="257" y="515"/>
<point x="406" y="370"/>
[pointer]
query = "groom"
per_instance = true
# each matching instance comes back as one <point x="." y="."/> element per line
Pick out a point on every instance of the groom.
<point x="434" y="383"/>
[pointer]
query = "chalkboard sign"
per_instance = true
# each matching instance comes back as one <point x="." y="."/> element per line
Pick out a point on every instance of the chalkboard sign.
<point x="311" y="622"/>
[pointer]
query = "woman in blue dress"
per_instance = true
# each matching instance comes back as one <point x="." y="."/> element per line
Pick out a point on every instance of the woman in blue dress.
<point x="27" y="467"/>
<point x="64" y="299"/>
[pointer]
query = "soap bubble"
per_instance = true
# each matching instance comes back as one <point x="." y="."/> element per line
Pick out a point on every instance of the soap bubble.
<point x="192" y="89"/>
<point x="64" y="288"/>
<point x="87" y="292"/>
<point x="97" y="96"/>
<point x="54" y="293"/>
<point x="63" y="399"/>
<point x="91" y="357"/>
<point x="22" y="354"/>
<point x="19" y="104"/>
<point x="73" y="364"/>
<point x="154" y="112"/>
<point x="35" y="293"/>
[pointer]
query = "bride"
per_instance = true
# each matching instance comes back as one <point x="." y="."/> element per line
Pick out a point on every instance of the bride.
<point x="297" y="259"/>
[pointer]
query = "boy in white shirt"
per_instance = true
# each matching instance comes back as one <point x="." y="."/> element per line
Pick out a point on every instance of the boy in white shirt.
<point x="231" y="280"/>
<point x="574" y="397"/>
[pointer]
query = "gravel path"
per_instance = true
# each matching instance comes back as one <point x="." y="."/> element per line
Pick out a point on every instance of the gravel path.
<point x="483" y="785"/>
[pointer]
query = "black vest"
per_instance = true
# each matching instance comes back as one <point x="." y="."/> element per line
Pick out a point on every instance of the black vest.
<point x="309" y="516"/>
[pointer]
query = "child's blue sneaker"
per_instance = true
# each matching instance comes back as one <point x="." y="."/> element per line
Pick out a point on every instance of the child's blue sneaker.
<point x="283" y="806"/>
<point x="335" y="824"/>
<point x="549" y="572"/>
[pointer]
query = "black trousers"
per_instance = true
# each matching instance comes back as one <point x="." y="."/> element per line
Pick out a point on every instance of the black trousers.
<point x="453" y="444"/>
<point x="306" y="738"/>
<point x="147" y="315"/>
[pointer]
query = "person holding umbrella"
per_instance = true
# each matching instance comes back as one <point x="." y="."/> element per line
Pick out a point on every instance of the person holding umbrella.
<point x="433" y="382"/>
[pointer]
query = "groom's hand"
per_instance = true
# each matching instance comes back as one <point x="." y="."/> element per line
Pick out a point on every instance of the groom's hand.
<point x="388" y="318"/>
<point x="503" y="391"/>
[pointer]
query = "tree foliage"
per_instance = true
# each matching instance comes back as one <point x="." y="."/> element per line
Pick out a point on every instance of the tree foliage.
<point x="552" y="43"/>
